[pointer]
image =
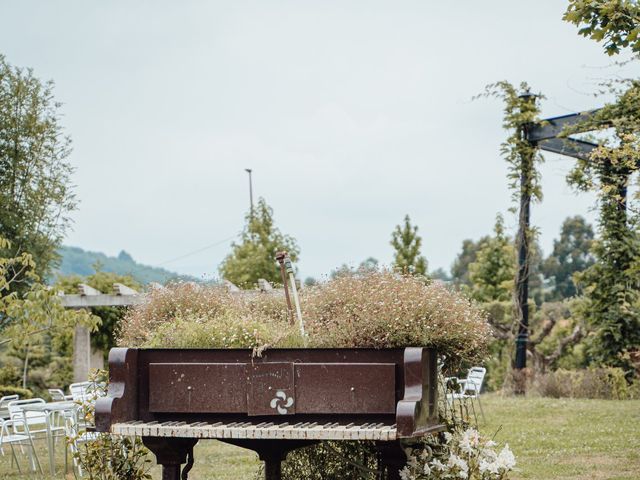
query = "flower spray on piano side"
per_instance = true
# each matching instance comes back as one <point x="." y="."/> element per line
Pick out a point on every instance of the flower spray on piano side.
<point x="102" y="456"/>
<point x="459" y="454"/>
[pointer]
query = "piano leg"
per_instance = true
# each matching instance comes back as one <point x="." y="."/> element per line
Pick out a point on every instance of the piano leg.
<point x="171" y="453"/>
<point x="271" y="452"/>
<point x="392" y="458"/>
<point x="273" y="468"/>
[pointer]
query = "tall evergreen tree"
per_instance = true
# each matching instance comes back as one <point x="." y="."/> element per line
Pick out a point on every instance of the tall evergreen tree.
<point x="492" y="273"/>
<point x="254" y="257"/>
<point x="468" y="255"/>
<point x="35" y="190"/>
<point x="571" y="254"/>
<point x="406" y="243"/>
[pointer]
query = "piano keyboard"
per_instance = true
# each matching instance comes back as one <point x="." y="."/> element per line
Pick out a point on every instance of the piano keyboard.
<point x="265" y="430"/>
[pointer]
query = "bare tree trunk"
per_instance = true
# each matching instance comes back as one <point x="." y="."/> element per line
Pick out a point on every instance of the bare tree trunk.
<point x="25" y="368"/>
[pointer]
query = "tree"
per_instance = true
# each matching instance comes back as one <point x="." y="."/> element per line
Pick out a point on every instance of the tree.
<point x="35" y="190"/>
<point x="36" y="320"/>
<point x="440" y="274"/>
<point x="368" y="265"/>
<point x="468" y="255"/>
<point x="611" y="285"/>
<point x="254" y="257"/>
<point x="571" y="254"/>
<point x="492" y="273"/>
<point x="616" y="22"/>
<point x="406" y="243"/>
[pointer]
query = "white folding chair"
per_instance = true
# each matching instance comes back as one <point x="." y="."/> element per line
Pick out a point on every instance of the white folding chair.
<point x="16" y="431"/>
<point x="56" y="395"/>
<point x="80" y="391"/>
<point x="470" y="387"/>
<point x="4" y="401"/>
<point x="4" y="412"/>
<point x="34" y="424"/>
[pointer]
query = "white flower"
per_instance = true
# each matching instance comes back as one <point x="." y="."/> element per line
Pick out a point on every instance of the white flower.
<point x="457" y="462"/>
<point x="489" y="467"/>
<point x="438" y="465"/>
<point x="471" y="436"/>
<point x="405" y="474"/>
<point x="447" y="437"/>
<point x="506" y="459"/>
<point x="427" y="469"/>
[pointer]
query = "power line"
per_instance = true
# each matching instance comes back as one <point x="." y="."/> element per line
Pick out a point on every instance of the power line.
<point x="220" y="242"/>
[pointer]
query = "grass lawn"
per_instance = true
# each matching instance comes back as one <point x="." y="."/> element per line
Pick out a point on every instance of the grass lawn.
<point x="552" y="439"/>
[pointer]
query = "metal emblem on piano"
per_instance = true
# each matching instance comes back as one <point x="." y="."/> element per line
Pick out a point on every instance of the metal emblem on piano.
<point x="277" y="401"/>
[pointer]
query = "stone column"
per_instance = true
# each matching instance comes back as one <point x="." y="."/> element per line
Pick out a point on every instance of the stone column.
<point x="81" y="354"/>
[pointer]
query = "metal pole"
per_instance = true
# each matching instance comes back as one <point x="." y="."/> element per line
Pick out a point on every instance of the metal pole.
<point x="248" y="170"/>
<point x="523" y="247"/>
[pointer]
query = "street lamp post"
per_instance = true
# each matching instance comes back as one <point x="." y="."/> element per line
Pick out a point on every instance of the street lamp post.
<point x="248" y="170"/>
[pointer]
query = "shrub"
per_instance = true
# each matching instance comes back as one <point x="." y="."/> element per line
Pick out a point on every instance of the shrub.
<point x="603" y="383"/>
<point x="332" y="461"/>
<point x="193" y="316"/>
<point x="376" y="309"/>
<point x="9" y="390"/>
<point x="382" y="309"/>
<point x="106" y="456"/>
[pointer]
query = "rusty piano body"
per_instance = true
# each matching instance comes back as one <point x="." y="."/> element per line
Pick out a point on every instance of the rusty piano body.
<point x="272" y="404"/>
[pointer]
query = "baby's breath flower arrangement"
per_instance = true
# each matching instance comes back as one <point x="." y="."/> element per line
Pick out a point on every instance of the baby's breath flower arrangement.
<point x="375" y="310"/>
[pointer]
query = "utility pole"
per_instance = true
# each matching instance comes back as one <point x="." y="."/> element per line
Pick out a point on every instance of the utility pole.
<point x="248" y="170"/>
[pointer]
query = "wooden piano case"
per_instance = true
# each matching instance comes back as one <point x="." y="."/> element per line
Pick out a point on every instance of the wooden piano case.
<point x="282" y="400"/>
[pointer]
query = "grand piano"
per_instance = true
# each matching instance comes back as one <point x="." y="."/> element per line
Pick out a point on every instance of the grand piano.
<point x="274" y="403"/>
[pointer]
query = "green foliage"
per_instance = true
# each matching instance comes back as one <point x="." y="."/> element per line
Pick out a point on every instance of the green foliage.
<point x="35" y="190"/>
<point x="491" y="275"/>
<point x="254" y="257"/>
<point x="468" y="255"/>
<point x="9" y="390"/>
<point x="37" y="327"/>
<point x="611" y="286"/>
<point x="406" y="243"/>
<point x="520" y="110"/>
<point x="605" y="383"/>
<point x="498" y="363"/>
<point x="110" y="457"/>
<point x="332" y="461"/>
<point x="440" y="274"/>
<point x="614" y="22"/>
<point x="571" y="254"/>
<point x="76" y="261"/>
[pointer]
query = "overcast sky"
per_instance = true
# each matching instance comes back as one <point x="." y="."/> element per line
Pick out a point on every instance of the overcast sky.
<point x="351" y="114"/>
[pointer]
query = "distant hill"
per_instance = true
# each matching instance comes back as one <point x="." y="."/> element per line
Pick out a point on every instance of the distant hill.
<point x="77" y="261"/>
